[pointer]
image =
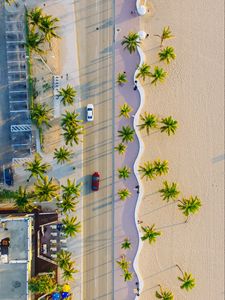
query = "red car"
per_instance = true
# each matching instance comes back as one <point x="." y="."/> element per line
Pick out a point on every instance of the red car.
<point x="95" y="181"/>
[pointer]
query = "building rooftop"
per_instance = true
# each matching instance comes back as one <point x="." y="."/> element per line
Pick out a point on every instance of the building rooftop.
<point x="17" y="232"/>
<point x="15" y="261"/>
<point x="13" y="281"/>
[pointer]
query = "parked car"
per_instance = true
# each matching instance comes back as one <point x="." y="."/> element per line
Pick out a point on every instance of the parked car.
<point x="1" y="175"/>
<point x="95" y="181"/>
<point x="90" y="112"/>
<point x="8" y="176"/>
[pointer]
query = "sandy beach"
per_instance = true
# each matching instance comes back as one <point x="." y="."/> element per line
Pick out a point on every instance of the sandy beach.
<point x="89" y="57"/>
<point x="193" y="95"/>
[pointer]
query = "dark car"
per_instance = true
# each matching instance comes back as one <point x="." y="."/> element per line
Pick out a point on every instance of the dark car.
<point x="95" y="181"/>
<point x="1" y="175"/>
<point x="8" y="176"/>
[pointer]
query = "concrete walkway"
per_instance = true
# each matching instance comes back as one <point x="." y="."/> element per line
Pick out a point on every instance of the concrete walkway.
<point x="125" y="211"/>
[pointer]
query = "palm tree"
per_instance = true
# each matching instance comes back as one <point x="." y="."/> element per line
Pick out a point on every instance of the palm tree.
<point x="68" y="272"/>
<point x="169" y="191"/>
<point x="188" y="281"/>
<point x="70" y="119"/>
<point x="70" y="226"/>
<point x="126" y="133"/>
<point x="164" y="294"/>
<point x="169" y="125"/>
<point x="144" y="71"/>
<point x="161" y="168"/>
<point x="63" y="259"/>
<point x="71" y="134"/>
<point x="189" y="206"/>
<point x="68" y="204"/>
<point x="123" y="263"/>
<point x="72" y="189"/>
<point x="121" y="78"/>
<point x="45" y="189"/>
<point x="127" y="275"/>
<point x="34" y="41"/>
<point x="62" y="155"/>
<point x="121" y="148"/>
<point x="150" y="121"/>
<point x="124" y="194"/>
<point x="6" y="195"/>
<point x="43" y="284"/>
<point x="147" y="170"/>
<point x="125" y="110"/>
<point x="166" y="34"/>
<point x="23" y="200"/>
<point x="41" y="114"/>
<point x="126" y="244"/>
<point x="150" y="233"/>
<point x="158" y="75"/>
<point x="10" y="2"/>
<point x="35" y="16"/>
<point x="36" y="167"/>
<point x="124" y="172"/>
<point x="67" y="94"/>
<point x="167" y="54"/>
<point x="131" y="42"/>
<point x="48" y="27"/>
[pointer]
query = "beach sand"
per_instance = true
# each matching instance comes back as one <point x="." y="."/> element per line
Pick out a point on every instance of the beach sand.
<point x="192" y="94"/>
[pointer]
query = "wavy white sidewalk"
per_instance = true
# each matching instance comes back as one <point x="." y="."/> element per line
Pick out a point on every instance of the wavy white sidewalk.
<point x="126" y="213"/>
<point x="135" y="168"/>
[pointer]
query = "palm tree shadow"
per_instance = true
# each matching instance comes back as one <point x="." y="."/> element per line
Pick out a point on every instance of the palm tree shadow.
<point x="106" y="50"/>
<point x="157" y="273"/>
<point x="153" y="48"/>
<point x="87" y="184"/>
<point x="106" y="23"/>
<point x="150" y="194"/>
<point x="154" y="132"/>
<point x="151" y="133"/>
<point x="218" y="158"/>
<point x="172" y="225"/>
<point x="154" y="210"/>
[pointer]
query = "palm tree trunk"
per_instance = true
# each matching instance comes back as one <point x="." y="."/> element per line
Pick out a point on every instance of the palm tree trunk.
<point x="160" y="288"/>
<point x="179" y="269"/>
<point x="161" y="39"/>
<point x="50" y="46"/>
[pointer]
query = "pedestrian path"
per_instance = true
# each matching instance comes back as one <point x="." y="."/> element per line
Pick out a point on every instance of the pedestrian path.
<point x="125" y="227"/>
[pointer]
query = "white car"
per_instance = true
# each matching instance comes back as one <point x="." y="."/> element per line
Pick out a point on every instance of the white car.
<point x="90" y="112"/>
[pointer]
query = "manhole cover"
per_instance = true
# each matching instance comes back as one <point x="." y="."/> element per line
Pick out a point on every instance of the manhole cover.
<point x="16" y="284"/>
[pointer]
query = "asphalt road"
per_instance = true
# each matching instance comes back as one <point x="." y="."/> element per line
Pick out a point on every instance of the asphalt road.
<point x="94" y="30"/>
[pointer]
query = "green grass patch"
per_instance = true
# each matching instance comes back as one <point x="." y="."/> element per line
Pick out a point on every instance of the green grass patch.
<point x="29" y="65"/>
<point x="41" y="137"/>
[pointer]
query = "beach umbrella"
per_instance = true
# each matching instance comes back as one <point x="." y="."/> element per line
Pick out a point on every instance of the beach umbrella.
<point x="65" y="295"/>
<point x="56" y="296"/>
<point x="142" y="35"/>
<point x="142" y="10"/>
<point x="66" y="288"/>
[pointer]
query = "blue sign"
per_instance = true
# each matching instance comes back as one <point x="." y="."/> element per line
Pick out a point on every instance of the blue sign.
<point x="56" y="296"/>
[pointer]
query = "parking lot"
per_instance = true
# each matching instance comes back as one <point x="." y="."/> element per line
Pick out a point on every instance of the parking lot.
<point x="5" y="141"/>
<point x="16" y="137"/>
